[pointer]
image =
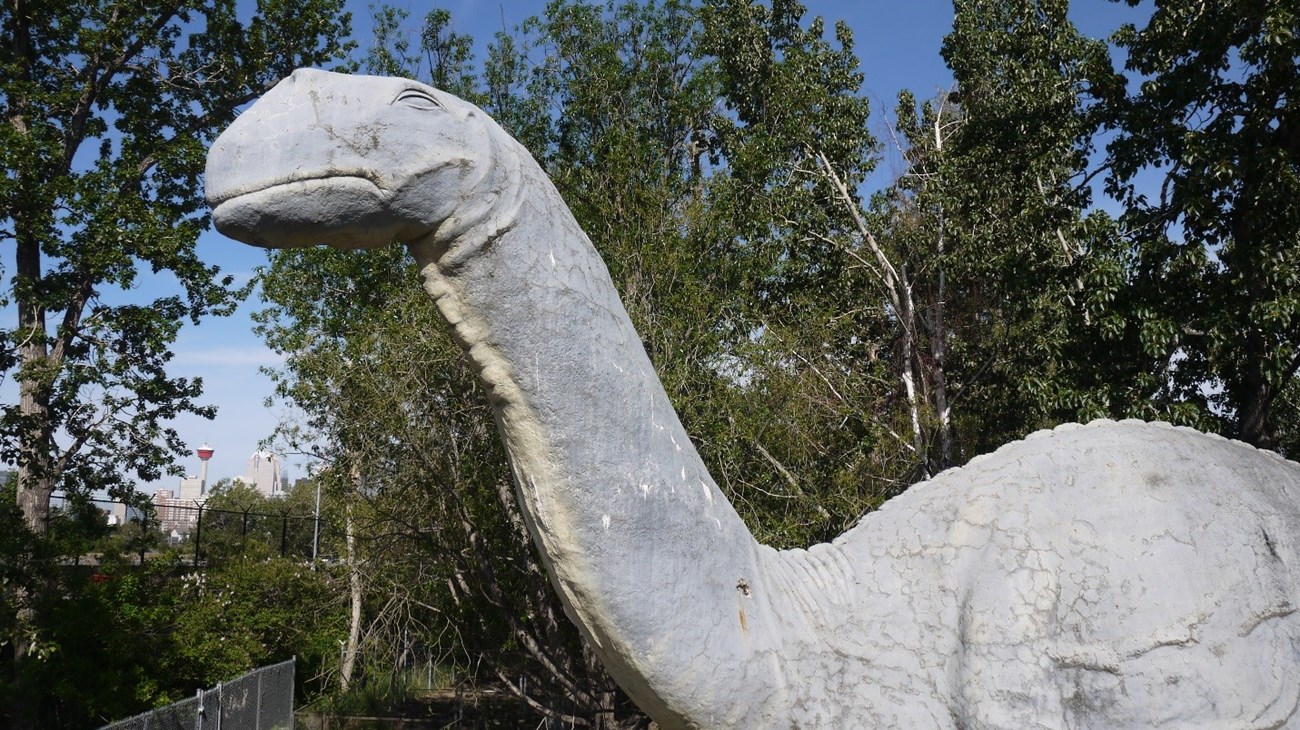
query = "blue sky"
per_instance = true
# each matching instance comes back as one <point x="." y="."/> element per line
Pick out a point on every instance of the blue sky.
<point x="898" y="44"/>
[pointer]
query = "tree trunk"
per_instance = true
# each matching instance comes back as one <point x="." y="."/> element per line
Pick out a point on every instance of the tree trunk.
<point x="1254" y="400"/>
<point x="35" y="467"/>
<point x="348" y="663"/>
<point x="938" y="325"/>
<point x="899" y="290"/>
<point x="36" y="476"/>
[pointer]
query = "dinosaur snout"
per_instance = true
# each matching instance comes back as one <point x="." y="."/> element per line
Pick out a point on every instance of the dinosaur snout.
<point x="326" y="158"/>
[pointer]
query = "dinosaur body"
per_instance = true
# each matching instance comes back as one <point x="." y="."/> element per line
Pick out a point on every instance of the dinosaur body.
<point x="1109" y="575"/>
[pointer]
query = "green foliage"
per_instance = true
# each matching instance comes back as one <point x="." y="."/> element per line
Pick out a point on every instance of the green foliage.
<point x="803" y="428"/>
<point x="1029" y="306"/>
<point x="114" y="637"/>
<point x="108" y="110"/>
<point x="110" y="622"/>
<point x="1022" y="250"/>
<point x="237" y="524"/>
<point x="250" y="613"/>
<point x="78" y="526"/>
<point x="1213" y="246"/>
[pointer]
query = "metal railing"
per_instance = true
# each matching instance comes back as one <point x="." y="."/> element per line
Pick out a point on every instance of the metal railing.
<point x="259" y="700"/>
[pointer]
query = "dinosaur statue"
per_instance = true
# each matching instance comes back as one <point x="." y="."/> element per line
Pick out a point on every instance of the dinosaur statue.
<point x="1101" y="576"/>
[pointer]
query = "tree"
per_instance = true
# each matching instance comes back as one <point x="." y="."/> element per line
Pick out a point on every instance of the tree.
<point x="807" y="439"/>
<point x="994" y="269"/>
<point x="105" y="649"/>
<point x="248" y="613"/>
<point x="1022" y="253"/>
<point x="108" y="109"/>
<point x="1216" y="120"/>
<point x="236" y="525"/>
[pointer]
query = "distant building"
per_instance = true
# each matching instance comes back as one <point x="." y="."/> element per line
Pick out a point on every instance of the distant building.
<point x="192" y="489"/>
<point x="176" y="514"/>
<point x="122" y="514"/>
<point x="264" y="474"/>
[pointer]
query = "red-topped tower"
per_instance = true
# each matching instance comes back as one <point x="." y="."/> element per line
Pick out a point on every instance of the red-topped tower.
<point x="205" y="453"/>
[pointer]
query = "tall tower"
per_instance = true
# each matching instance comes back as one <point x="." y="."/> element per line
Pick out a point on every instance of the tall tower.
<point x="205" y="453"/>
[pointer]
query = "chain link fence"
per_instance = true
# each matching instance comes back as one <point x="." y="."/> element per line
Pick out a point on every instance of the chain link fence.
<point x="259" y="700"/>
<point x="205" y="534"/>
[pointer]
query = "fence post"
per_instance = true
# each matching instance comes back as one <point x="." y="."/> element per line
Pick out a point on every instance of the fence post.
<point x="144" y="535"/>
<point x="198" y="716"/>
<point x="257" y="723"/>
<point x="221" y="706"/>
<point x="198" y="537"/>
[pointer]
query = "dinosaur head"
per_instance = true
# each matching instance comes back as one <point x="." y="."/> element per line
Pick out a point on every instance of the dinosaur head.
<point x="349" y="161"/>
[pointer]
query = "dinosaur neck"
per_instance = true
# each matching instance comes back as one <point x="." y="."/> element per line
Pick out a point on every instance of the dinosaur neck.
<point x="648" y="556"/>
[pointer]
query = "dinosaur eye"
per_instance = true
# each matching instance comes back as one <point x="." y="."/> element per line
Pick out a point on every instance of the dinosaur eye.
<point x="417" y="99"/>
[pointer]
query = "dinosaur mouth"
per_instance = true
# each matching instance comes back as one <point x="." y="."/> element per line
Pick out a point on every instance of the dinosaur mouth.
<point x="223" y="196"/>
<point x="340" y="210"/>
